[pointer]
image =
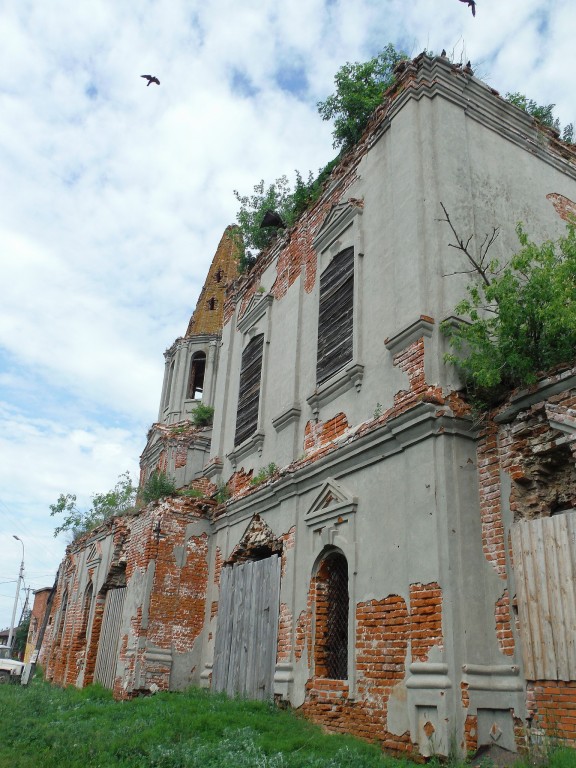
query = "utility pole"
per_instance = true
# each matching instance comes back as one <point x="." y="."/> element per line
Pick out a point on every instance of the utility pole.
<point x="20" y="578"/>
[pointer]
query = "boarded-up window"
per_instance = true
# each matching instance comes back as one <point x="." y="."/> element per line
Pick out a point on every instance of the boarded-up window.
<point x="249" y="395"/>
<point x="335" y="321"/>
<point x="196" y="379"/>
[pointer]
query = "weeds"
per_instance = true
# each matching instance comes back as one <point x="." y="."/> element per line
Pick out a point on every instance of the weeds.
<point x="264" y="474"/>
<point x="202" y="415"/>
<point x="43" y="725"/>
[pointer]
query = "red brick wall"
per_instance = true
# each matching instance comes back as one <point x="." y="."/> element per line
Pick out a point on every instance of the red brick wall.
<point x="503" y="624"/>
<point x="553" y="708"/>
<point x="177" y="603"/>
<point x="385" y="631"/>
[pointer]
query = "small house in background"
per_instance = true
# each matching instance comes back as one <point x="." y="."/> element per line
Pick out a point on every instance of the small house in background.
<point x="351" y="541"/>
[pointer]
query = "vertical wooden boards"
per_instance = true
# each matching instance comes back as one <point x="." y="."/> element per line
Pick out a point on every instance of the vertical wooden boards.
<point x="249" y="393"/>
<point x="107" y="656"/>
<point x="544" y="552"/>
<point x="247" y="631"/>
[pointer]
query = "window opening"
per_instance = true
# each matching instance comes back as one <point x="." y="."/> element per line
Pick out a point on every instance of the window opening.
<point x="212" y="303"/>
<point x="219" y="275"/>
<point x="335" y="317"/>
<point x="86" y="611"/>
<point x="196" y="378"/>
<point x="169" y="385"/>
<point x="249" y="394"/>
<point x="332" y="618"/>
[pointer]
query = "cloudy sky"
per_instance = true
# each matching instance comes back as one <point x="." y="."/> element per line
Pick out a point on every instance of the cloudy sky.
<point x="114" y="195"/>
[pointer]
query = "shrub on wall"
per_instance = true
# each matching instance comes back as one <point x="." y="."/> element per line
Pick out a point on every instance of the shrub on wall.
<point x="519" y="319"/>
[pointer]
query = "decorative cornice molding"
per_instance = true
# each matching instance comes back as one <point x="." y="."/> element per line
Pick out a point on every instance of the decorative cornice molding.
<point x="286" y="417"/>
<point x="257" y="308"/>
<point x="253" y="443"/>
<point x="423" y="326"/>
<point x="340" y="382"/>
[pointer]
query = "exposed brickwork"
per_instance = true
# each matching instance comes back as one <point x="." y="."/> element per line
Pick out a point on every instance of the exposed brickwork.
<point x="36" y="619"/>
<point x="564" y="207"/>
<point x="493" y="542"/>
<point x="208" y="316"/>
<point x="284" y="634"/>
<point x="258" y="539"/>
<point x="218" y="563"/>
<point x="503" y="624"/>
<point x="553" y="705"/>
<point x="425" y="619"/>
<point x="157" y="535"/>
<point x="385" y="631"/>
<point x="319" y="434"/>
<point x="471" y="733"/>
<point x="540" y="460"/>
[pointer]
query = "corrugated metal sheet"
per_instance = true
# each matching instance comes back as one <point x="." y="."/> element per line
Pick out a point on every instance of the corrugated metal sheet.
<point x="544" y="552"/>
<point x="108" y="646"/>
<point x="247" y="632"/>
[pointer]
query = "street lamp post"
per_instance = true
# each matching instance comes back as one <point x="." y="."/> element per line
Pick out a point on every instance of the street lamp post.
<point x="20" y="578"/>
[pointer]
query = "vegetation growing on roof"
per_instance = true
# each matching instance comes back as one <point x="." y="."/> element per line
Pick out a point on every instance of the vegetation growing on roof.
<point x="519" y="319"/>
<point x="118" y="501"/>
<point x="279" y="197"/>
<point x="158" y="485"/>
<point x="264" y="474"/>
<point x="359" y="90"/>
<point x="544" y="113"/>
<point x="203" y="415"/>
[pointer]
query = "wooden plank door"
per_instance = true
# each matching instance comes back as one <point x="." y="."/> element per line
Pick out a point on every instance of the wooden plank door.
<point x="544" y="554"/>
<point x="247" y="630"/>
<point x="108" y="646"/>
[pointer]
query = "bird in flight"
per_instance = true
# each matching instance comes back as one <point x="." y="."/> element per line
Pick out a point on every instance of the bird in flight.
<point x="471" y="4"/>
<point x="151" y="79"/>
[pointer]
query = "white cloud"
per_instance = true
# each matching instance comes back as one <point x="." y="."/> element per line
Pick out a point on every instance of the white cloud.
<point x="115" y="194"/>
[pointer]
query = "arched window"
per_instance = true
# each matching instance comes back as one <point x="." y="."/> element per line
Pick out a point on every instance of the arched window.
<point x="331" y="650"/>
<point x="196" y="378"/>
<point x="212" y="303"/>
<point x="219" y="275"/>
<point x="169" y="385"/>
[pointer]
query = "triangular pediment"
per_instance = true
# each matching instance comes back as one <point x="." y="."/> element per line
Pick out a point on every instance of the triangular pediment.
<point x="332" y="501"/>
<point x="339" y="218"/>
<point x="258" y="539"/>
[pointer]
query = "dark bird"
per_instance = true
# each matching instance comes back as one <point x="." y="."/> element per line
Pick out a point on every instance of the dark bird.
<point x="471" y="4"/>
<point x="151" y="79"/>
<point x="272" y="219"/>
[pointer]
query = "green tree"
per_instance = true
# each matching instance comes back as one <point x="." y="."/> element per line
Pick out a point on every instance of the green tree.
<point x="544" y="113"/>
<point x="78" y="521"/>
<point x="520" y="319"/>
<point x="359" y="90"/>
<point x="279" y="197"/>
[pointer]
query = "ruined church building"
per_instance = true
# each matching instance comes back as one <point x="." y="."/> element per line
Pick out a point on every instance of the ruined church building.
<point x="358" y="547"/>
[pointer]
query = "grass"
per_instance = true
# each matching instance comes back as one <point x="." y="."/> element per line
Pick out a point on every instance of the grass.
<point x="46" y="726"/>
<point x="49" y="727"/>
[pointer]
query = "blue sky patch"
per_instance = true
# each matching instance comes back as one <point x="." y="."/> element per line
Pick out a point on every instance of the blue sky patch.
<point x="242" y="84"/>
<point x="292" y="79"/>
